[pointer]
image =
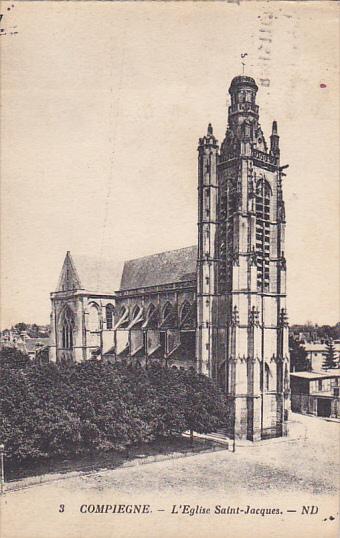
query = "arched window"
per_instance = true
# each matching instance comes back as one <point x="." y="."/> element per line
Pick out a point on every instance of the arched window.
<point x="136" y="312"/>
<point x="286" y="379"/>
<point x="232" y="198"/>
<point x="167" y="311"/>
<point x="169" y="316"/>
<point x="241" y="96"/>
<point x="136" y="317"/>
<point x="93" y="318"/>
<point x="151" y="310"/>
<point x="263" y="202"/>
<point x="185" y="310"/>
<point x="109" y="311"/>
<point x="67" y="329"/>
<point x="185" y="313"/>
<point x="151" y="317"/>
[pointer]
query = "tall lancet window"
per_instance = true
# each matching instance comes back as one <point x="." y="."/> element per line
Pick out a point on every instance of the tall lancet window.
<point x="263" y="200"/>
<point x="93" y="318"/>
<point x="67" y="329"/>
<point x="109" y="311"/>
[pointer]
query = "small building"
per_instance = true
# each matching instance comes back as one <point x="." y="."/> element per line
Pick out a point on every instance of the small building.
<point x="24" y="343"/>
<point x="316" y="393"/>
<point x="315" y="354"/>
<point x="33" y="346"/>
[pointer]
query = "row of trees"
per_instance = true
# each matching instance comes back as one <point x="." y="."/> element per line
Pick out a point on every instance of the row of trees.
<point x="49" y="411"/>
<point x="313" y="330"/>
<point x="32" y="329"/>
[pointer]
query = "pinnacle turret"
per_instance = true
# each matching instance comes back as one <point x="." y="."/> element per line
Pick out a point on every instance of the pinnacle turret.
<point x="274" y="141"/>
<point x="209" y="139"/>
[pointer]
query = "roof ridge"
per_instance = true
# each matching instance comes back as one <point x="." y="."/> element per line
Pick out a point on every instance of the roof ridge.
<point x="159" y="253"/>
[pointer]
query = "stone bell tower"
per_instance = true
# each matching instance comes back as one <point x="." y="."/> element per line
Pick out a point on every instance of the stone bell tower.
<point x="243" y="330"/>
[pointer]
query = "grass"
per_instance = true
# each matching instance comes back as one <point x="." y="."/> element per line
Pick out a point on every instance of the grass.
<point x="173" y="446"/>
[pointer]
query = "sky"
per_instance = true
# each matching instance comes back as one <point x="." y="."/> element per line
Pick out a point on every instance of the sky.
<point x="102" y="107"/>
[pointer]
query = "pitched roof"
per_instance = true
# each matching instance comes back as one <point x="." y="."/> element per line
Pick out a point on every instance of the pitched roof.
<point x="105" y="276"/>
<point x="157" y="269"/>
<point x="32" y="343"/>
<point x="90" y="274"/>
<point x="319" y="347"/>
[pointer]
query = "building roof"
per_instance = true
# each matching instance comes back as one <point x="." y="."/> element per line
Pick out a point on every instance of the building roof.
<point x="90" y="274"/>
<point x="243" y="80"/>
<point x="317" y="346"/>
<point x="335" y="372"/>
<point x="105" y="276"/>
<point x="98" y="275"/>
<point x="32" y="343"/>
<point x="162" y="268"/>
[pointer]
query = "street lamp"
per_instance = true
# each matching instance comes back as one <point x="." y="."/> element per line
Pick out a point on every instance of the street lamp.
<point x="2" y="470"/>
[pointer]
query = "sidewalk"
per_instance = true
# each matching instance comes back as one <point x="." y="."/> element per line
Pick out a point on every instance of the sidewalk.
<point x="296" y="431"/>
<point x="23" y="483"/>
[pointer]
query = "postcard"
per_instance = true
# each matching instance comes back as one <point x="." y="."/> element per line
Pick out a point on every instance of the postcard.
<point x="170" y="335"/>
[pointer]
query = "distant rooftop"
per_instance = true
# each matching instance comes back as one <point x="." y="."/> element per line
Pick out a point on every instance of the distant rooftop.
<point x="32" y="343"/>
<point x="334" y="372"/>
<point x="317" y="346"/>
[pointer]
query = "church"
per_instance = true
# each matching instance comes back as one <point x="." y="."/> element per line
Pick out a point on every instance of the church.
<point x="218" y="306"/>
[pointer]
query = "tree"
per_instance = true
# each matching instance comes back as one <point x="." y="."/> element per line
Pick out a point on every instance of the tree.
<point x="166" y="406"/>
<point x="11" y="357"/>
<point x="52" y="411"/>
<point x="298" y="356"/>
<point x="21" y="327"/>
<point x="330" y="357"/>
<point x="34" y="331"/>
<point x="205" y="406"/>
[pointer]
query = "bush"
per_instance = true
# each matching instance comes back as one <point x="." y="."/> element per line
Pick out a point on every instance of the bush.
<point x="11" y="357"/>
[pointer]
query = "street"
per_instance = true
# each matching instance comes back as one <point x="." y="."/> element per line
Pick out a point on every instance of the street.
<point x="281" y="474"/>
